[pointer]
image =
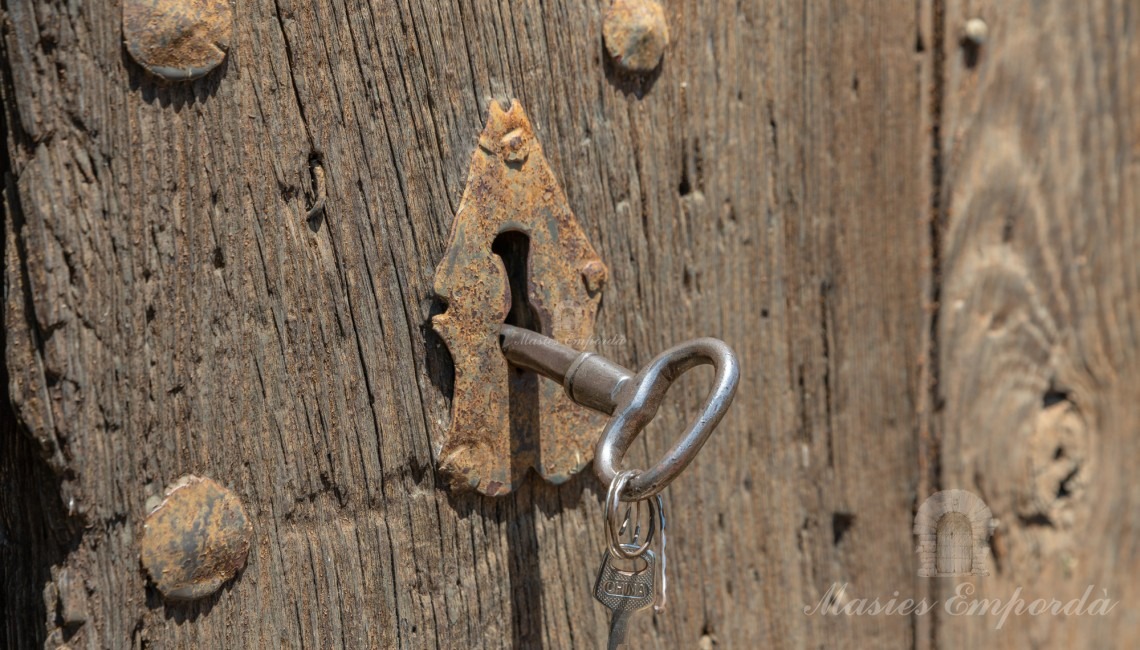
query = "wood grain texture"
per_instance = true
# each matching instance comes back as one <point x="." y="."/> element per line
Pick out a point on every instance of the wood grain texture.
<point x="1037" y="325"/>
<point x="170" y="309"/>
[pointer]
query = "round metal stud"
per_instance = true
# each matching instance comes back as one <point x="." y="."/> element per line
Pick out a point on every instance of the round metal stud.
<point x="178" y="40"/>
<point x="196" y="539"/>
<point x="635" y="34"/>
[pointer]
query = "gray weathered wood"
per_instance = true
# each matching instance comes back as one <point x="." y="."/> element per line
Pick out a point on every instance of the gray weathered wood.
<point x="812" y="182"/>
<point x="1037" y="322"/>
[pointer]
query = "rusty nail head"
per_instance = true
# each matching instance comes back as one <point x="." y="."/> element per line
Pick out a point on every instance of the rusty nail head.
<point x="594" y="273"/>
<point x="635" y="34"/>
<point x="196" y="539"/>
<point x="178" y="40"/>
<point x="514" y="145"/>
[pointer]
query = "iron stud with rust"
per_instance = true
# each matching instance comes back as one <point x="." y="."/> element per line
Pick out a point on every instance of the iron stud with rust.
<point x="196" y="539"/>
<point x="178" y="40"/>
<point x="636" y="34"/>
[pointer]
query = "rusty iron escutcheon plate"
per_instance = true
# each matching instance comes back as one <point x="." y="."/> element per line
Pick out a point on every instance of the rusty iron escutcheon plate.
<point x="510" y="187"/>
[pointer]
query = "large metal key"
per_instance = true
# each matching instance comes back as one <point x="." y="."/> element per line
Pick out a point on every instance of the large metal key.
<point x="626" y="587"/>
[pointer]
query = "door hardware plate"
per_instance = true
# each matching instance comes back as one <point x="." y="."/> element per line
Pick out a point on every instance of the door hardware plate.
<point x="505" y="421"/>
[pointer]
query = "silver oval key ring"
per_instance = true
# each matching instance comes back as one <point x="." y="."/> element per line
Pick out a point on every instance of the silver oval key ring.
<point x="637" y="403"/>
<point x="614" y="526"/>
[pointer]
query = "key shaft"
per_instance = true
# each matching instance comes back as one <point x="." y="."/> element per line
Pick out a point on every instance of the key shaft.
<point x="619" y="626"/>
<point x="589" y="379"/>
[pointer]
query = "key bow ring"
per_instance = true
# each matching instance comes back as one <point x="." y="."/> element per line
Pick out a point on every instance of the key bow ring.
<point x="638" y="401"/>
<point x="632" y="400"/>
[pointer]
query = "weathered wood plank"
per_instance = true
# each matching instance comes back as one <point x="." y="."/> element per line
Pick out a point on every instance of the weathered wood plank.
<point x="1037" y="322"/>
<point x="172" y="311"/>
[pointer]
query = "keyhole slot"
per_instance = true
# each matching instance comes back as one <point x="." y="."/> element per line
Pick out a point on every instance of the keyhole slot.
<point x="513" y="247"/>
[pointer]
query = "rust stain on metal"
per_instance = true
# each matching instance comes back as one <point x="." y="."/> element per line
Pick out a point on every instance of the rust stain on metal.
<point x="178" y="39"/>
<point x="510" y="187"/>
<point x="636" y="34"/>
<point x="196" y="539"/>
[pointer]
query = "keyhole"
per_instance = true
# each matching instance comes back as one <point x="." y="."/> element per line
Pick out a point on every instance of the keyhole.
<point x="513" y="248"/>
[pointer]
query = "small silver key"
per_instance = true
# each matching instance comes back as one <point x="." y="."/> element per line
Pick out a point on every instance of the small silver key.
<point x="626" y="587"/>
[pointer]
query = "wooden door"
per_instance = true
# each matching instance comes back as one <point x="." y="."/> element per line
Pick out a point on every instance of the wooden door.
<point x="955" y="551"/>
<point x="923" y="249"/>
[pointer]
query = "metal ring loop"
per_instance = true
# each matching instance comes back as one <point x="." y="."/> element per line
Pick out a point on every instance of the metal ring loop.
<point x="639" y="401"/>
<point x="613" y="504"/>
